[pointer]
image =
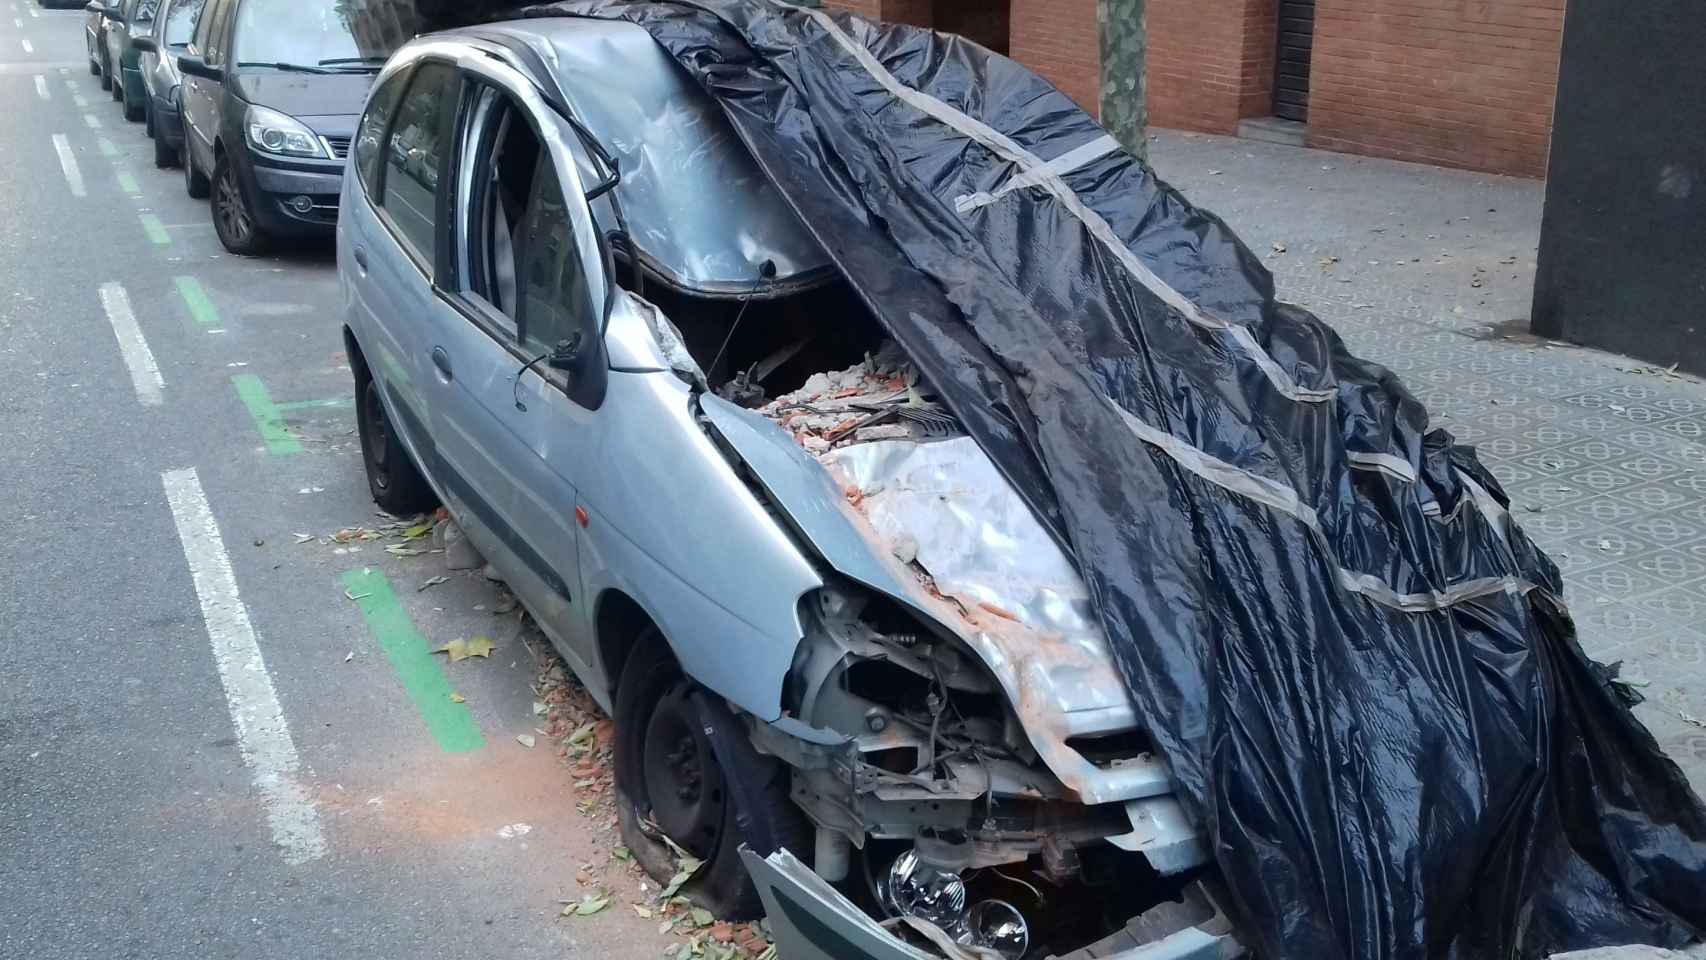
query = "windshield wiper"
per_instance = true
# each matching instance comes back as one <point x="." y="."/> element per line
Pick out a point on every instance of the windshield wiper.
<point x="280" y="65"/>
<point x="364" y="64"/>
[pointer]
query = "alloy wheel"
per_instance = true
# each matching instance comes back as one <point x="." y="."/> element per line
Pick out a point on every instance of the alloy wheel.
<point x="229" y="208"/>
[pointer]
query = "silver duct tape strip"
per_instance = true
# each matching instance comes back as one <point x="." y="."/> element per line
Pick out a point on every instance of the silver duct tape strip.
<point x="1002" y="146"/>
<point x="1283" y="498"/>
<point x="1065" y="163"/>
<point x="1393" y="466"/>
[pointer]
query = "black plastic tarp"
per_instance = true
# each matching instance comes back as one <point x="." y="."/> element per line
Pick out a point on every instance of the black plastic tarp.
<point x="1355" y="662"/>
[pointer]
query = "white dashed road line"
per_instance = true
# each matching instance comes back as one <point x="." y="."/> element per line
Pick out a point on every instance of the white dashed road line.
<point x="263" y="736"/>
<point x="144" y="372"/>
<point x="41" y="88"/>
<point x="27" y="47"/>
<point x="68" y="164"/>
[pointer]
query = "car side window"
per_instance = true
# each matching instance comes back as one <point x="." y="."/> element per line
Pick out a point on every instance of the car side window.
<point x="555" y="304"/>
<point x="381" y="106"/>
<point x="180" y="21"/>
<point x="211" y="41"/>
<point x="413" y="153"/>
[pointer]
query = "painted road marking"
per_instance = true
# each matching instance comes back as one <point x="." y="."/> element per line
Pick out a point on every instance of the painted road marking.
<point x="266" y="414"/>
<point x="127" y="183"/>
<point x="93" y="121"/>
<point x="79" y="100"/>
<point x="41" y="88"/>
<point x="156" y="230"/>
<point x="106" y="147"/>
<point x="144" y="373"/>
<point x="68" y="164"/>
<point x="450" y="723"/>
<point x="26" y="44"/>
<point x="18" y="22"/>
<point x="201" y="308"/>
<point x="316" y="404"/>
<point x="263" y="736"/>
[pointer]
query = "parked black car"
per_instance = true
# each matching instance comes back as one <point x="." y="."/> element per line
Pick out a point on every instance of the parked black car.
<point x="271" y="92"/>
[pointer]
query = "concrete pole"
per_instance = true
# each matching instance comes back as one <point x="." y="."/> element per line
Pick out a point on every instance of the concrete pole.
<point x="1125" y="55"/>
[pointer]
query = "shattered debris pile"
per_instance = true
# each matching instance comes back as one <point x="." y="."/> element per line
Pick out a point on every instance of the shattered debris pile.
<point x="880" y="398"/>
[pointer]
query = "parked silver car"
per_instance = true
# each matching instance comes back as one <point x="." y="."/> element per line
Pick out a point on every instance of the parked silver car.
<point x="826" y="626"/>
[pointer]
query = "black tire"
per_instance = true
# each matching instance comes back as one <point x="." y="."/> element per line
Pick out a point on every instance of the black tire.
<point x="134" y="114"/>
<point x="116" y="86"/>
<point x="195" y="182"/>
<point x="94" y="67"/>
<point x="392" y="477"/>
<point x="233" y="216"/>
<point x="106" y="75"/>
<point x="164" y="154"/>
<point x="659" y="740"/>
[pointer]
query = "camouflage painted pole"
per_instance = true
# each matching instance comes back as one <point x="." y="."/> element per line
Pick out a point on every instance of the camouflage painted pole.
<point x="1125" y="53"/>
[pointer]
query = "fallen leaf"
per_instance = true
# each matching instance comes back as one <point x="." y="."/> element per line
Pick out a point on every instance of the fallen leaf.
<point x="644" y="912"/>
<point x="349" y="656"/>
<point x="459" y="649"/>
<point x="525" y="739"/>
<point x="701" y="917"/>
<point x="510" y="831"/>
<point x="481" y="646"/>
<point x="402" y="550"/>
<point x="417" y="531"/>
<point x="431" y="582"/>
<point x="458" y="698"/>
<point x="588" y="905"/>
<point x="622" y="853"/>
<point x="539" y="709"/>
<point x="304" y="538"/>
<point x="1279" y="247"/>
<point x="582" y="733"/>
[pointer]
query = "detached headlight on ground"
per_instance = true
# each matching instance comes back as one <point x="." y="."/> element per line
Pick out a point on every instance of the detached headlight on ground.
<point x="273" y="132"/>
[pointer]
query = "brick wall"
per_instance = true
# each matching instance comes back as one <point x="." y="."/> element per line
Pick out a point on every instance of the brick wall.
<point x="1463" y="83"/>
<point x="1211" y="62"/>
<point x="1058" y="39"/>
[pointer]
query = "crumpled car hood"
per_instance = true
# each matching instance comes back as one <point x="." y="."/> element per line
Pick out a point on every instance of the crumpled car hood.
<point x="997" y="579"/>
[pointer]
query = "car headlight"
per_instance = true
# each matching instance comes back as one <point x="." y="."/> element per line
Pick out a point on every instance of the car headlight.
<point x="273" y="132"/>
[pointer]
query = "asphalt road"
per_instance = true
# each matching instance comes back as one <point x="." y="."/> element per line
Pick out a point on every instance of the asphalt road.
<point x="207" y="749"/>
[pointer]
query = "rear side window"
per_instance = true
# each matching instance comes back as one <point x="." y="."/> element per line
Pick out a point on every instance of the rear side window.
<point x="554" y="301"/>
<point x="380" y="108"/>
<point x="412" y="154"/>
<point x="210" y="31"/>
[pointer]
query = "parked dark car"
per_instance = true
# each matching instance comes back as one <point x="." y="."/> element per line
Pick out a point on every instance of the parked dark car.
<point x="162" y="82"/>
<point x="271" y="92"/>
<point x="126" y="22"/>
<point x="95" y="39"/>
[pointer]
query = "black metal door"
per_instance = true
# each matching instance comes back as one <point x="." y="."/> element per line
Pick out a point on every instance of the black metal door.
<point x="1291" y="65"/>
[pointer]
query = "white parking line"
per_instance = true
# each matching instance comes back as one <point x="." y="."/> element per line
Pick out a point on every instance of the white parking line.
<point x="263" y="736"/>
<point x="68" y="164"/>
<point x="27" y="47"/>
<point x="93" y="122"/>
<point x="144" y="372"/>
<point x="18" y="22"/>
<point x="41" y="88"/>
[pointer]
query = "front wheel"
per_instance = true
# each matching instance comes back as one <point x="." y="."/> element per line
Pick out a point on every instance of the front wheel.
<point x="133" y="113"/>
<point x="669" y="783"/>
<point x="392" y="478"/>
<point x="164" y="153"/>
<point x="106" y="75"/>
<point x="233" y="220"/>
<point x="195" y="182"/>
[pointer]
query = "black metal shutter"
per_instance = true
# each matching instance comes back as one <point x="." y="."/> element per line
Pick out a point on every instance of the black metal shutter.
<point x="1291" y="67"/>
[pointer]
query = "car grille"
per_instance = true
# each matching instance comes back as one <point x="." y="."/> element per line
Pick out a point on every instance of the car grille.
<point x="338" y="145"/>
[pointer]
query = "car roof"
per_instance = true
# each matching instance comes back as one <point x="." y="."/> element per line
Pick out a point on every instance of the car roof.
<point x="698" y="207"/>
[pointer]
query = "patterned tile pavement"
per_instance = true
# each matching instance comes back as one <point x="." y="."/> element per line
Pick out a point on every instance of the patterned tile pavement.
<point x="1604" y="456"/>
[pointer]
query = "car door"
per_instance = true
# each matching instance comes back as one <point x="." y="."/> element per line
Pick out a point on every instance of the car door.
<point x="386" y="267"/>
<point x="520" y="333"/>
<point x="200" y="94"/>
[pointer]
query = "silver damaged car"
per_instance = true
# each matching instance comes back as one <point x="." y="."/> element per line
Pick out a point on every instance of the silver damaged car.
<point x="848" y="668"/>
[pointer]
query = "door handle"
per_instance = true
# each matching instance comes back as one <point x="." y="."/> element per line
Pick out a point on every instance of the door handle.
<point x="441" y="360"/>
<point x="360" y="254"/>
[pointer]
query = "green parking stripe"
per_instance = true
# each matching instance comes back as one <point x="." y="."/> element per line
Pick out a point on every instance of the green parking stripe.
<point x="201" y="308"/>
<point x="106" y="147"/>
<point x="450" y="723"/>
<point x="156" y="230"/>
<point x="315" y="404"/>
<point x="128" y="183"/>
<point x="254" y="395"/>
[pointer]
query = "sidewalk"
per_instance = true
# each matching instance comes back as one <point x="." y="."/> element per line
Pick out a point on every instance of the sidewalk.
<point x="1429" y="271"/>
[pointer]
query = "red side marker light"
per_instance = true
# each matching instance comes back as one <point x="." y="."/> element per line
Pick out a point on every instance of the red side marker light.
<point x="580" y="515"/>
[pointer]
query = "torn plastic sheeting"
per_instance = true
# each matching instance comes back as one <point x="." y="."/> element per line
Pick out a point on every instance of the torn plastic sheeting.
<point x="1378" y="781"/>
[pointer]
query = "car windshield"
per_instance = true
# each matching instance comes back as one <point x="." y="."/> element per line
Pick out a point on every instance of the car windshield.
<point x="346" y="34"/>
<point x="180" y="22"/>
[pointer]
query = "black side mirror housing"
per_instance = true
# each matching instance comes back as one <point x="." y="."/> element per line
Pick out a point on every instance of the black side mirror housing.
<point x="145" y="44"/>
<point x="197" y="67"/>
<point x="566" y="355"/>
<point x="113" y="12"/>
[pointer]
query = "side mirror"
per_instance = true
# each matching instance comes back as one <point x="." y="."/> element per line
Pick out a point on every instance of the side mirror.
<point x="94" y="7"/>
<point x="197" y="67"/>
<point x="113" y="12"/>
<point x="145" y="44"/>
<point x="566" y="354"/>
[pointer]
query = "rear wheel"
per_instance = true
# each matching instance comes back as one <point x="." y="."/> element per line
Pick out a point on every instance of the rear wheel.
<point x="392" y="478"/>
<point x="106" y="74"/>
<point x="669" y="781"/>
<point x="94" y="67"/>
<point x="233" y="219"/>
<point x="164" y="153"/>
<point x="132" y="112"/>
